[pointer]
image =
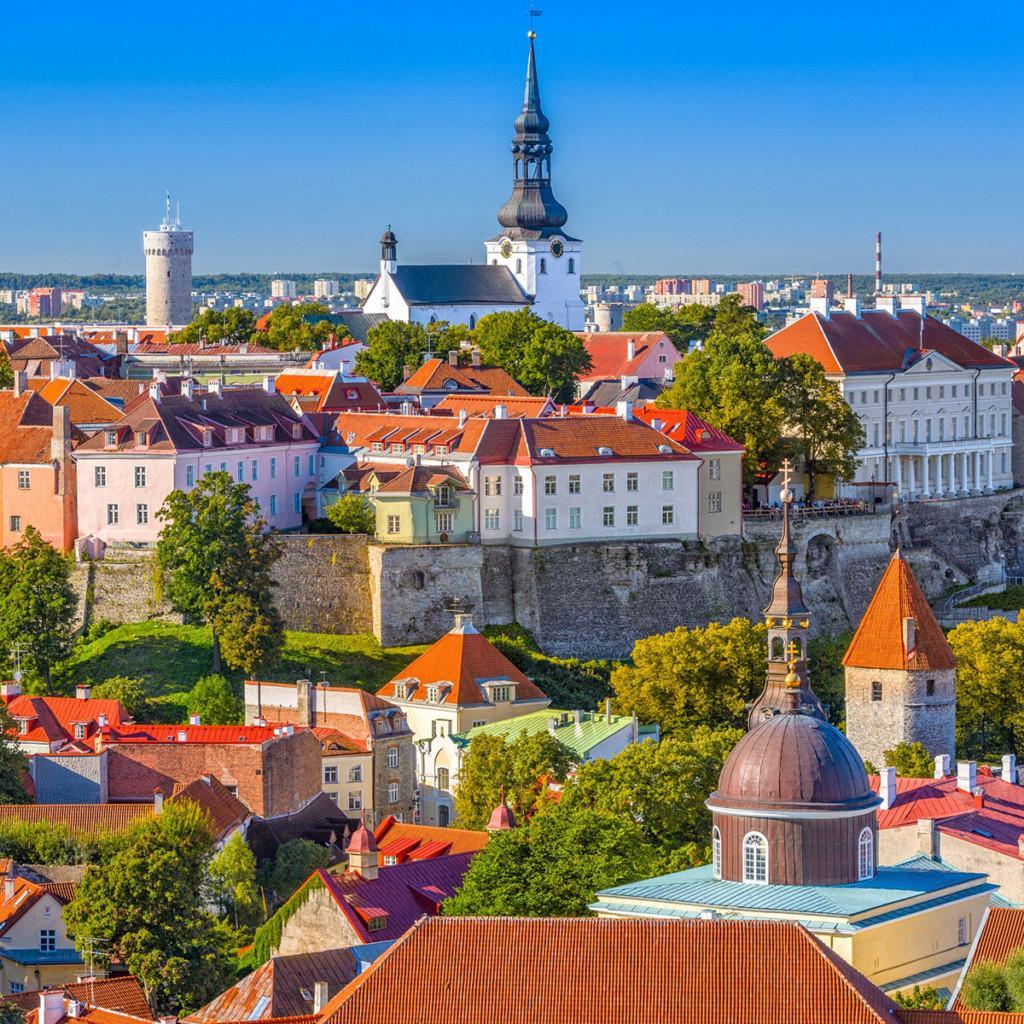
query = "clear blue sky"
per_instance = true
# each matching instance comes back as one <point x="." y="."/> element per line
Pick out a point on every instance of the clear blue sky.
<point x="688" y="137"/>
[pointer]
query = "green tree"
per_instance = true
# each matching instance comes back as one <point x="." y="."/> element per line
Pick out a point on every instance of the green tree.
<point x="543" y="357"/>
<point x="390" y="348"/>
<point x="251" y="633"/>
<point x="926" y="998"/>
<point x="827" y="673"/>
<point x="989" y="697"/>
<point x="131" y="692"/>
<point x="683" y="325"/>
<point x="13" y="763"/>
<point x="37" y="604"/>
<point x="233" y="885"/>
<point x="691" y="677"/>
<point x="985" y="988"/>
<point x="911" y="760"/>
<point x="234" y="326"/>
<point x="826" y="430"/>
<point x="296" y="860"/>
<point x="11" y="1013"/>
<point x="1013" y="972"/>
<point x="6" y="381"/>
<point x="147" y="904"/>
<point x="299" y="327"/>
<point x="214" y="700"/>
<point x="353" y="513"/>
<point x="661" y="787"/>
<point x="213" y="545"/>
<point x="554" y="865"/>
<point x="518" y="766"/>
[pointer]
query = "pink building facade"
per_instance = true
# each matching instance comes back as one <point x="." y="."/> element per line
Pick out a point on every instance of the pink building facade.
<point x="168" y="442"/>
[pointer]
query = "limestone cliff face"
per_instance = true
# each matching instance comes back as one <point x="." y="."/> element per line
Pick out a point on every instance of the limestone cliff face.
<point x="595" y="600"/>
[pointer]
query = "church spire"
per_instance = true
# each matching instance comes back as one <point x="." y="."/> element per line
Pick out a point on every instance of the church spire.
<point x="532" y="210"/>
<point x="787" y="686"/>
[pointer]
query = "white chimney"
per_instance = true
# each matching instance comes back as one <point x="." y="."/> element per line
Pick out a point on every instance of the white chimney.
<point x="914" y="303"/>
<point x="577" y="718"/>
<point x="83" y="691"/>
<point x="408" y="409"/>
<point x="501" y="412"/>
<point x="967" y="776"/>
<point x="631" y="349"/>
<point x="852" y="305"/>
<point x="656" y="424"/>
<point x="158" y="801"/>
<point x="154" y="390"/>
<point x="10" y="688"/>
<point x="214" y="387"/>
<point x="319" y="996"/>
<point x="1010" y="768"/>
<point x="552" y="724"/>
<point x="463" y="416"/>
<point x="195" y="720"/>
<point x="888" y="304"/>
<point x="182" y="736"/>
<point x="941" y="766"/>
<point x="887" y="787"/>
<point x="188" y="388"/>
<point x="8" y="888"/>
<point x="51" y="1006"/>
<point x="20" y="383"/>
<point x="624" y="410"/>
<point x="820" y="305"/>
<point x="269" y="384"/>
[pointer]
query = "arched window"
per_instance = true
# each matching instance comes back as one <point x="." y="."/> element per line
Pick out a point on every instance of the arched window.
<point x="433" y="319"/>
<point x="778" y="649"/>
<point x="444" y="815"/>
<point x="716" y="853"/>
<point x="755" y="858"/>
<point x="543" y="265"/>
<point x="572" y="266"/>
<point x="472" y="320"/>
<point x="866" y="855"/>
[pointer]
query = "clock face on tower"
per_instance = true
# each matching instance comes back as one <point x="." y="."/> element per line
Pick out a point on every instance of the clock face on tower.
<point x="505" y="248"/>
<point x="557" y="247"/>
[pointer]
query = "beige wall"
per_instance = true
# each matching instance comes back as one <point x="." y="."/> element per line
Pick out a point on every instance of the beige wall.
<point x="24" y="934"/>
<point x="728" y="522"/>
<point x="344" y="788"/>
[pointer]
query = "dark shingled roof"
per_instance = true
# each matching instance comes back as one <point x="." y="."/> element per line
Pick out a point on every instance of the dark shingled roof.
<point x="437" y="285"/>
<point x="358" y="324"/>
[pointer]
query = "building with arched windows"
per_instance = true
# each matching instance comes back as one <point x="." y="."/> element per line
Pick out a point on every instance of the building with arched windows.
<point x="533" y="263"/>
<point x="794" y="835"/>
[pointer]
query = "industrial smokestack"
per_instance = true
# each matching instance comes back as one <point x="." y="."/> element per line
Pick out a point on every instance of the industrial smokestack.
<point x="878" y="263"/>
<point x="849" y="286"/>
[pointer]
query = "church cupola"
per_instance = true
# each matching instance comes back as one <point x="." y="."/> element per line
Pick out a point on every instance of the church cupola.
<point x="388" y="252"/>
<point x="789" y="622"/>
<point x="532" y="210"/>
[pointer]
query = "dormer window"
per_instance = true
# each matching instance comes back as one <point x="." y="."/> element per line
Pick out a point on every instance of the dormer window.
<point x="433" y="694"/>
<point x="441" y="449"/>
<point x="604" y="452"/>
<point x="376" y="447"/>
<point x="23" y="726"/>
<point x="141" y="439"/>
<point x="397" y="449"/>
<point x="79" y="730"/>
<point x="111" y="437"/>
<point x="547" y="453"/>
<point x="207" y="437"/>
<point x="296" y="431"/>
<point x="501" y="693"/>
<point x="450" y="384"/>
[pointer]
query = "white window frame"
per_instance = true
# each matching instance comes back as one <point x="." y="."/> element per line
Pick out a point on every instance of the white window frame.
<point x="392" y="757"/>
<point x="755" y="859"/>
<point x="716" y="853"/>
<point x="551" y="518"/>
<point x="865" y="855"/>
<point x="394" y="524"/>
<point x="575" y="517"/>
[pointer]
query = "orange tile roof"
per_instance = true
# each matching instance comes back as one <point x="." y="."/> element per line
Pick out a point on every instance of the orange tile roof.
<point x="83" y="403"/>
<point x="26" y="428"/>
<point x="461" y="660"/>
<point x="1001" y="934"/>
<point x="578" y="438"/>
<point x="419" y="837"/>
<point x="433" y="374"/>
<point x="484" y="405"/>
<point x="226" y="811"/>
<point x="606" y="971"/>
<point x="79" y="818"/>
<point x="880" y="642"/>
<point x="26" y="894"/>
<point x="877" y="342"/>
<point x="122" y="995"/>
<point x="609" y="352"/>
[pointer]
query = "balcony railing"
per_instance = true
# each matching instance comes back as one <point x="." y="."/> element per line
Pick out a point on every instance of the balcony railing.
<point x="819" y="510"/>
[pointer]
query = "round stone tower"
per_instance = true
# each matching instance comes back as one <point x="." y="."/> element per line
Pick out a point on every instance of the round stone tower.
<point x="168" y="273"/>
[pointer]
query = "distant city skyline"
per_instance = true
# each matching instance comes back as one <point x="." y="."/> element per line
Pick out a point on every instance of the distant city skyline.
<point x="685" y="141"/>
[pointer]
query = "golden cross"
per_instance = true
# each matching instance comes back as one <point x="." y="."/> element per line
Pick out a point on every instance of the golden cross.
<point x="793" y="651"/>
<point x="787" y="467"/>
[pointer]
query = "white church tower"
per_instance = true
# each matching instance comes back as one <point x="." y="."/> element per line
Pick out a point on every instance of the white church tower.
<point x="542" y="257"/>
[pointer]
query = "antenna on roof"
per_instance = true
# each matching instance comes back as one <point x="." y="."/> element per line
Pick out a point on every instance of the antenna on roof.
<point x="16" y="658"/>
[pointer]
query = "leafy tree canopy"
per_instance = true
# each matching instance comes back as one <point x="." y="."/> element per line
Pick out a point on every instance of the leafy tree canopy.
<point x="130" y="692"/>
<point x="233" y="326"/>
<point x="13" y="763"/>
<point x="683" y="325"/>
<point x="492" y="763"/>
<point x="299" y="327"/>
<point x="296" y="860"/>
<point x="148" y="904"/>
<point x="393" y="346"/>
<point x="233" y="887"/>
<point x="352" y="513"/>
<point x="37" y="604"/>
<point x="250" y="633"/>
<point x="215" y="701"/>
<point x="693" y="677"/>
<point x="911" y="760"/>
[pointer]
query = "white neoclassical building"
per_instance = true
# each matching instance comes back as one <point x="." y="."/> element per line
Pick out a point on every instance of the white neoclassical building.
<point x="935" y="406"/>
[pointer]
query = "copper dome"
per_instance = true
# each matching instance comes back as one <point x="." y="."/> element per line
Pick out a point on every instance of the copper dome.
<point x="793" y="762"/>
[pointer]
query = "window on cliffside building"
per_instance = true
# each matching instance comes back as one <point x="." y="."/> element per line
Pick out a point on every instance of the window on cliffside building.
<point x="876" y="691"/>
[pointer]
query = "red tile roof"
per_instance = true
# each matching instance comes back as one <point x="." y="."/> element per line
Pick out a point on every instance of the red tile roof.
<point x="53" y="719"/>
<point x="880" y="642"/>
<point x="83" y="403"/>
<point x="397" y="479"/>
<point x="275" y="989"/>
<point x="606" y="971"/>
<point x="609" y="352"/>
<point x="327" y="392"/>
<point x="1001" y="934"/>
<point x="580" y="438"/>
<point x="459" y="662"/>
<point x="407" y="841"/>
<point x="79" y="818"/>
<point x="225" y="810"/>
<point x="26" y="428"/>
<point x="122" y="994"/>
<point x="688" y="429"/>
<point x="877" y="342"/>
<point x="402" y="893"/>
<point x="484" y="405"/>
<point x="232" y="734"/>
<point x="434" y="373"/>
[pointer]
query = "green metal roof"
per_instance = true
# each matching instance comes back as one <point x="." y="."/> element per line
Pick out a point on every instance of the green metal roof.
<point x="873" y="896"/>
<point x="593" y="730"/>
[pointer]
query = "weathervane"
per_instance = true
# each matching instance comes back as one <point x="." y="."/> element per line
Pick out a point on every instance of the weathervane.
<point x="533" y="13"/>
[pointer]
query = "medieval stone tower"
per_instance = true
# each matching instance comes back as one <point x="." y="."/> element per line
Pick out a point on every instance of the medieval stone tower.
<point x="168" y="273"/>
<point x="900" y="672"/>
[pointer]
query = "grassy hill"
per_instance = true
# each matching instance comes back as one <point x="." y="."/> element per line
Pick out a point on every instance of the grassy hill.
<point x="171" y="658"/>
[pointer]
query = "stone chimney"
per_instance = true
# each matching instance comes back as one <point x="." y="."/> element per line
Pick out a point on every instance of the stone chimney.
<point x="319" y="996"/>
<point x="887" y="787"/>
<point x="20" y="383"/>
<point x="967" y="776"/>
<point x="305" y="702"/>
<point x="927" y="837"/>
<point x="453" y="357"/>
<point x="474" y="357"/>
<point x="83" y="691"/>
<point x="1010" y="768"/>
<point x="941" y="766"/>
<point x="852" y="305"/>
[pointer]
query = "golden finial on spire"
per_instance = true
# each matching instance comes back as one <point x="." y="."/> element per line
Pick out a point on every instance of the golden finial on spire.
<point x="792" y="680"/>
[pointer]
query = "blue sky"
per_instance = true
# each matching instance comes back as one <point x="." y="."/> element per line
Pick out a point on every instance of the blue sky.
<point x="689" y="138"/>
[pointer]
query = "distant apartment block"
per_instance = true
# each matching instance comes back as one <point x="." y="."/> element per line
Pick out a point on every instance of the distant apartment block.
<point x="324" y="288"/>
<point x="282" y="288"/>
<point x="752" y="294"/>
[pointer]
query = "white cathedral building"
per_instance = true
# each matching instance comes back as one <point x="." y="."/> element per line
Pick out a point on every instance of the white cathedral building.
<point x="531" y="264"/>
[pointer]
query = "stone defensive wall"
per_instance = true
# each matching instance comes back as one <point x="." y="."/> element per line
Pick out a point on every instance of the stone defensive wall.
<point x="594" y="600"/>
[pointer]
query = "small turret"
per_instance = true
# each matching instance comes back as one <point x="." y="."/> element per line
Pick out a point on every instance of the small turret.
<point x="388" y="252"/>
<point x="362" y="851"/>
<point x="502" y="819"/>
